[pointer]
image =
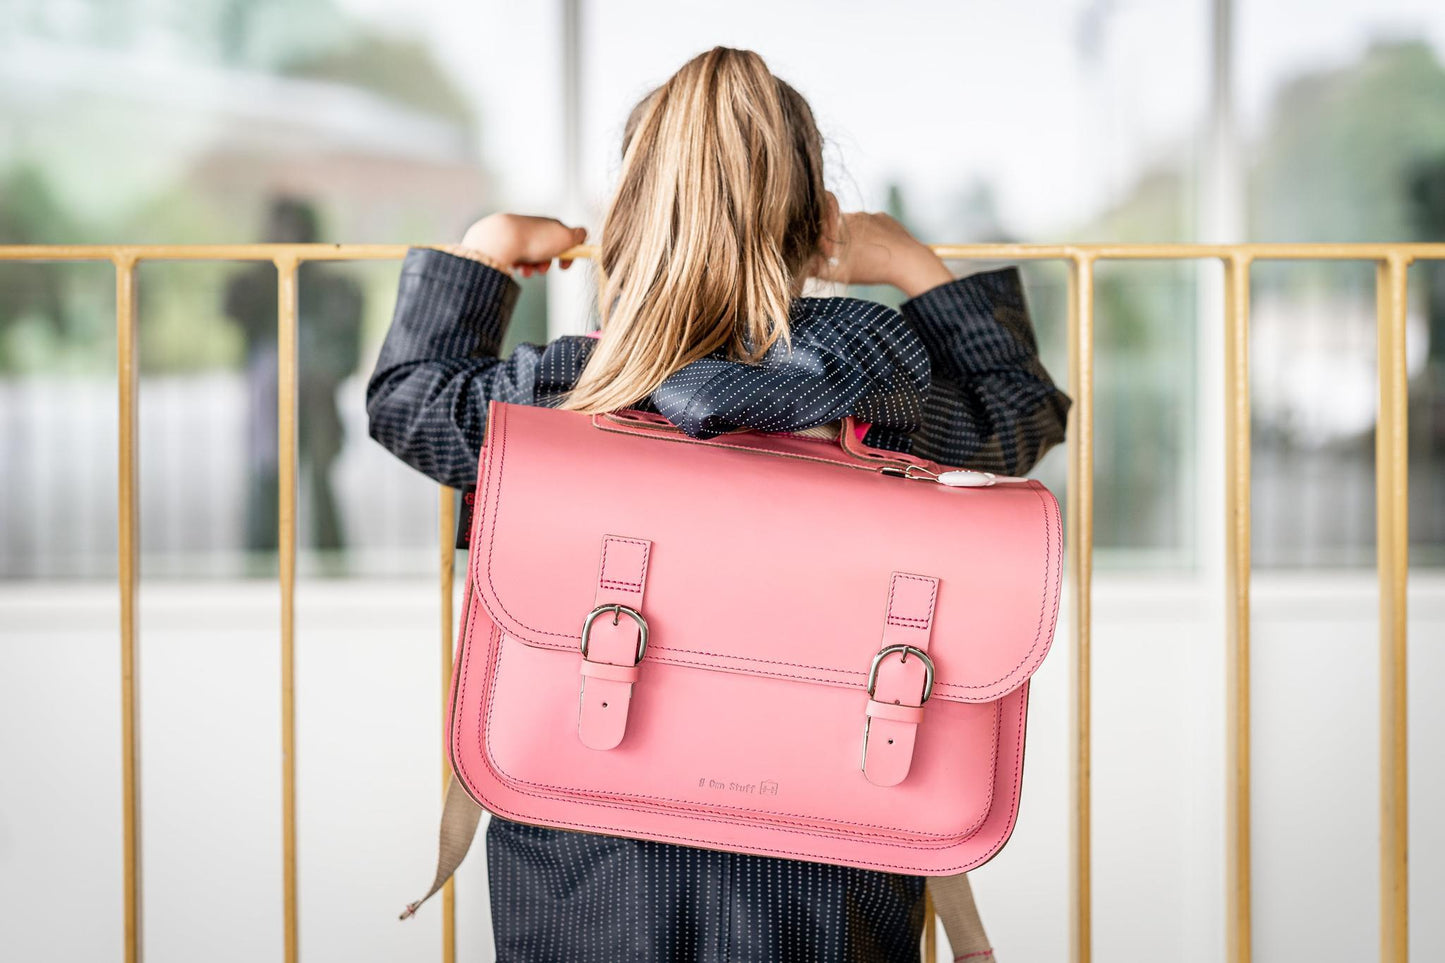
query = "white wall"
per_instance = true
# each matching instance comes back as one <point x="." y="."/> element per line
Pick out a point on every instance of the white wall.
<point x="370" y="772"/>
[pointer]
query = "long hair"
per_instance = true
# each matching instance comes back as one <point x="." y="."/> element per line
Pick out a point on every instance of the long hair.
<point x="719" y="207"/>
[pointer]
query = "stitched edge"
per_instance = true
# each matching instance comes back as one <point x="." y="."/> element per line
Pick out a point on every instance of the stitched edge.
<point x="904" y="620"/>
<point x="1011" y="819"/>
<point x="688" y="806"/>
<point x="491" y="509"/>
<point x="634" y="586"/>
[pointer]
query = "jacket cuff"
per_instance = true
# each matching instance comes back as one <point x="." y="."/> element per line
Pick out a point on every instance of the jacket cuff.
<point x="979" y="322"/>
<point x="456" y="302"/>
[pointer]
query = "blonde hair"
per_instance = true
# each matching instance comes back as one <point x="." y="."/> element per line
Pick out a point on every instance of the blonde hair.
<point x="719" y="207"/>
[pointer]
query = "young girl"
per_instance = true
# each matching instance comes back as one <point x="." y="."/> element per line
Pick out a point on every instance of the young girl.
<point x="719" y="216"/>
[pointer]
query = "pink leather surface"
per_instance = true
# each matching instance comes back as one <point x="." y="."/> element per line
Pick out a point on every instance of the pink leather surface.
<point x="744" y="727"/>
<point x="997" y="551"/>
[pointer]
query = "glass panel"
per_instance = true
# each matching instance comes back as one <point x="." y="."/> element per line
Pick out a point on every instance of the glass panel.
<point x="1347" y="142"/>
<point x="1145" y="413"/>
<point x="57" y="403"/>
<point x="1314" y="390"/>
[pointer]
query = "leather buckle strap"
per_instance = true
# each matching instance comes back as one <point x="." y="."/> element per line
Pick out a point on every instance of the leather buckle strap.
<point x="612" y="649"/>
<point x="898" y="688"/>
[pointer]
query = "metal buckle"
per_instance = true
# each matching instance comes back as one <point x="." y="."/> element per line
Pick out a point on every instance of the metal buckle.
<point x="883" y="653"/>
<point x="616" y="608"/>
<point x="905" y="650"/>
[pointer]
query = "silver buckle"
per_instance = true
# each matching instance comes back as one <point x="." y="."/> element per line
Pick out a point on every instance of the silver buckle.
<point x="615" y="608"/>
<point x="906" y="650"/>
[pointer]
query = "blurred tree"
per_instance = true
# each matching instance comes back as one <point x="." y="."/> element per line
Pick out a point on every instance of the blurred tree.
<point x="243" y="33"/>
<point x="33" y="292"/>
<point x="183" y="326"/>
<point x="1426" y="192"/>
<point x="1339" y="143"/>
<point x="1145" y="330"/>
<point x="401" y="70"/>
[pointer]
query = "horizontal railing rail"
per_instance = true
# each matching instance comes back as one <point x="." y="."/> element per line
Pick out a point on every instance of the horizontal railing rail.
<point x="1392" y="535"/>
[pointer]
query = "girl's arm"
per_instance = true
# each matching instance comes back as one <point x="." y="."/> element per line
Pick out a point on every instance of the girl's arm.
<point x="990" y="405"/>
<point x="439" y="365"/>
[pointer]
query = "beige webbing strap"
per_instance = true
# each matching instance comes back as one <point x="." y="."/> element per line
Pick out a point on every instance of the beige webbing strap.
<point x="460" y="815"/>
<point x="953" y="902"/>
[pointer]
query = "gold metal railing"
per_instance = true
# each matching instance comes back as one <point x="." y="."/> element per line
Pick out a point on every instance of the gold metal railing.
<point x="1392" y="533"/>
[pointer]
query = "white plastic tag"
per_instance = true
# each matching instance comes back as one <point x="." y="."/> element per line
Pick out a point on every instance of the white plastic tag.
<point x="966" y="478"/>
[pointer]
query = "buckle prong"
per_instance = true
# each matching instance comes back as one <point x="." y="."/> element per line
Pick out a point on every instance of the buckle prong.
<point x="617" y="609"/>
<point x="903" y="651"/>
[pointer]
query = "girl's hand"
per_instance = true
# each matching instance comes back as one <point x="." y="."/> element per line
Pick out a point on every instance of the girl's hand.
<point x="873" y="248"/>
<point x="522" y="241"/>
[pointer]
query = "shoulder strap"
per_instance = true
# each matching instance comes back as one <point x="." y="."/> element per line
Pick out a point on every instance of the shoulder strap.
<point x="953" y="902"/>
<point x="460" y="815"/>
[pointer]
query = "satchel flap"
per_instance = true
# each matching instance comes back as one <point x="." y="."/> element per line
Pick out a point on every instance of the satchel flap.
<point x="770" y="554"/>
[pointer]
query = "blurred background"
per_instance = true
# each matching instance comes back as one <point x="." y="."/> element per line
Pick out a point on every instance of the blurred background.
<point x="151" y="121"/>
<point x="162" y="121"/>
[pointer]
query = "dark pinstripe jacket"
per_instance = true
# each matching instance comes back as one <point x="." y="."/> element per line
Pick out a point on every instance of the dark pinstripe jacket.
<point x="952" y="375"/>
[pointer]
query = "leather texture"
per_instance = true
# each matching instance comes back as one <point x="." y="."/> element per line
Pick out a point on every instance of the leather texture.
<point x="742" y="727"/>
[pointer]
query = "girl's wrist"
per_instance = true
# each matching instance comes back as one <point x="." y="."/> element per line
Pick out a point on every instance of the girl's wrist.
<point x="493" y="238"/>
<point x="475" y="254"/>
<point x="921" y="270"/>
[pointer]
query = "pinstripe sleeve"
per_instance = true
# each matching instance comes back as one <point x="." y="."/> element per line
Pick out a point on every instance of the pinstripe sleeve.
<point x="438" y="367"/>
<point x="991" y="405"/>
<point x="848" y="356"/>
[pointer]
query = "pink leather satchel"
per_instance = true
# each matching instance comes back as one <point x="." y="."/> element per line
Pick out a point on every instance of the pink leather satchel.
<point x="766" y="643"/>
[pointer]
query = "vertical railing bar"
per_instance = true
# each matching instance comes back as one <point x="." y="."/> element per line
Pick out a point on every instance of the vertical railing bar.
<point x="1237" y="621"/>
<point x="447" y="523"/>
<point x="1392" y="538"/>
<point x="286" y="379"/>
<point x="127" y="541"/>
<point x="1080" y="552"/>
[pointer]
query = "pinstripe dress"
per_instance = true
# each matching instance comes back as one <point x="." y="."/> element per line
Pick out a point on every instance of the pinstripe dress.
<point x="952" y="375"/>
